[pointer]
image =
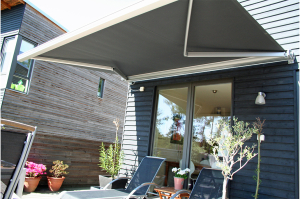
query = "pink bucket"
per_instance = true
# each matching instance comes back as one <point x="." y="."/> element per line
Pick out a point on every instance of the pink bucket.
<point x="178" y="183"/>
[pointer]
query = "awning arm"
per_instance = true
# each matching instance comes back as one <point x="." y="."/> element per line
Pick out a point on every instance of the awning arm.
<point x="241" y="62"/>
<point x="83" y="65"/>
<point x="74" y="63"/>
<point x="288" y="54"/>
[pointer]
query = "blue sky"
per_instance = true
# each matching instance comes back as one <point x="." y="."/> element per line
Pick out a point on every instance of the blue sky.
<point x="73" y="14"/>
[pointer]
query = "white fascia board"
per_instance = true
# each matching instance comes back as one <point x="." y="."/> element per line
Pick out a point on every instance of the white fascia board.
<point x="110" y="20"/>
<point x="82" y="64"/>
<point x="248" y="61"/>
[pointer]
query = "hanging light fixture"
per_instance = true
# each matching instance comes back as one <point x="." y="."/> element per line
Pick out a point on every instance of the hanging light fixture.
<point x="260" y="99"/>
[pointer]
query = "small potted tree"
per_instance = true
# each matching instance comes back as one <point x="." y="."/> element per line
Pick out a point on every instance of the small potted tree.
<point x="110" y="161"/>
<point x="33" y="175"/>
<point x="230" y="146"/>
<point x="56" y="179"/>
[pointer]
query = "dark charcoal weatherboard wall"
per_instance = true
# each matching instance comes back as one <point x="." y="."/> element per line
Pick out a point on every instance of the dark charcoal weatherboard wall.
<point x="11" y="19"/>
<point x="279" y="168"/>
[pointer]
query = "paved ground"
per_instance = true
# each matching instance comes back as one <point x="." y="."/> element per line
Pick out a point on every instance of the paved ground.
<point x="42" y="192"/>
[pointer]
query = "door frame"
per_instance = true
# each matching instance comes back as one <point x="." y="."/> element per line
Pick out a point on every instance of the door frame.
<point x="186" y="154"/>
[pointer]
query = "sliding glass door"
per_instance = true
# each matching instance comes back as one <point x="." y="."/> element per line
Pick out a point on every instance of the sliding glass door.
<point x="212" y="103"/>
<point x="186" y="117"/>
<point x="170" y="129"/>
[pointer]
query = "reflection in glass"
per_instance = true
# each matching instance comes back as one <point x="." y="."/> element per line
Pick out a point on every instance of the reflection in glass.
<point x="101" y="88"/>
<point x="169" y="129"/>
<point x="8" y="49"/>
<point x="22" y="72"/>
<point x="212" y="103"/>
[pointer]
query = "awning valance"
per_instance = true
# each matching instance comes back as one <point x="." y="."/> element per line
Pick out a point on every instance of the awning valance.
<point x="163" y="38"/>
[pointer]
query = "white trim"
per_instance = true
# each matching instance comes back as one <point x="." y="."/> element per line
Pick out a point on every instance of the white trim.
<point x="205" y="68"/>
<point x="127" y="13"/>
<point x="95" y="66"/>
<point x="236" y="54"/>
<point x="11" y="33"/>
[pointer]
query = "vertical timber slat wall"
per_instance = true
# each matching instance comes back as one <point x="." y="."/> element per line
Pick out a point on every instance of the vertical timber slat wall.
<point x="62" y="102"/>
<point x="278" y="151"/>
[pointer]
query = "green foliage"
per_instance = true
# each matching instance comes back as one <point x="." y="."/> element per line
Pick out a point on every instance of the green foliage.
<point x="181" y="173"/>
<point x="58" y="169"/>
<point x="230" y="144"/>
<point x="111" y="158"/>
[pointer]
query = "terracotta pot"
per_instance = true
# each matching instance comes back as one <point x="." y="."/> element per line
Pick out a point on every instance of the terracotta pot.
<point x="178" y="183"/>
<point x="31" y="183"/>
<point x="54" y="184"/>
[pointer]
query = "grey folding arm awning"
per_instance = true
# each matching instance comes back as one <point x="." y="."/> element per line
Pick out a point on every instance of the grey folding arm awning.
<point x="163" y="38"/>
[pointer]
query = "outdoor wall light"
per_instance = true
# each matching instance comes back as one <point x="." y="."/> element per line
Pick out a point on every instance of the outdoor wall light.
<point x="262" y="138"/>
<point x="260" y="99"/>
<point x="142" y="89"/>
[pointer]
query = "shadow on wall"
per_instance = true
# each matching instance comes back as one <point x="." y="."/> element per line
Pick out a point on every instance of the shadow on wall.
<point x="137" y="130"/>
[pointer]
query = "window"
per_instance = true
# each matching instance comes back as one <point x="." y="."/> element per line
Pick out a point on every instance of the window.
<point x="7" y="53"/>
<point x="101" y="88"/>
<point x="22" y="72"/>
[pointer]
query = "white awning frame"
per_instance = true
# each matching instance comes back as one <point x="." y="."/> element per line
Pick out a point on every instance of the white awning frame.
<point x="243" y="62"/>
<point x="132" y="11"/>
<point x="245" y="58"/>
<point x="284" y="55"/>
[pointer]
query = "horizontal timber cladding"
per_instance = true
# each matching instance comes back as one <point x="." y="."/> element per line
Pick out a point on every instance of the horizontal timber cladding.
<point x="280" y="18"/>
<point x="62" y="102"/>
<point x="11" y="19"/>
<point x="279" y="152"/>
<point x="37" y="27"/>
<point x="137" y="126"/>
<point x="81" y="155"/>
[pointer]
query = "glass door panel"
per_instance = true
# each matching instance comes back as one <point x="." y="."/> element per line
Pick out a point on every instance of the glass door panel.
<point x="211" y="104"/>
<point x="170" y="130"/>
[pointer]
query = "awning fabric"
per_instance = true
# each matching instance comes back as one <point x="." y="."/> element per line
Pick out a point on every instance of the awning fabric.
<point x="150" y="44"/>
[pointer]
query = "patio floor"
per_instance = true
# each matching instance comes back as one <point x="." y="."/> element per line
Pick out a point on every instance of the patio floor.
<point x="42" y="192"/>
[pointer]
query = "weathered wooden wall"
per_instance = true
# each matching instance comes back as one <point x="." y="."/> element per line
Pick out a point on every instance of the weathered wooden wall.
<point x="62" y="102"/>
<point x="279" y="161"/>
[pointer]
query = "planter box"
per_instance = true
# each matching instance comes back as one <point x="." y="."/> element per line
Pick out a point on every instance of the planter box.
<point x="104" y="180"/>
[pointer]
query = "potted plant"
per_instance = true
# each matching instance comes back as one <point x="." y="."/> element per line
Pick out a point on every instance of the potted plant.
<point x="180" y="176"/>
<point x="20" y="86"/>
<point x="56" y="179"/>
<point x="110" y="160"/>
<point x="33" y="175"/>
<point x="12" y="86"/>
